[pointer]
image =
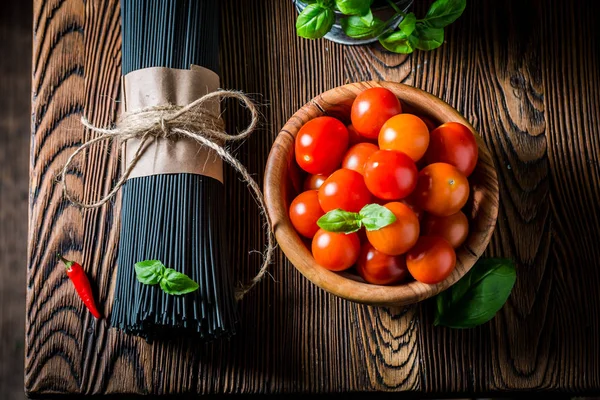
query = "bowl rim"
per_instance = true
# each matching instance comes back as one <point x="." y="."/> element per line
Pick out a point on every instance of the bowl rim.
<point x="293" y="246"/>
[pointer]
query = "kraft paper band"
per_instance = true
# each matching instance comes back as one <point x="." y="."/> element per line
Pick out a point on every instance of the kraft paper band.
<point x="161" y="86"/>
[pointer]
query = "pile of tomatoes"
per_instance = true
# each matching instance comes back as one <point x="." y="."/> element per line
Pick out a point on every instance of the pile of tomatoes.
<point x="398" y="160"/>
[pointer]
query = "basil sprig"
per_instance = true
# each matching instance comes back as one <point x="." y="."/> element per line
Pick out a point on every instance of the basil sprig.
<point x="371" y="216"/>
<point x="426" y="33"/>
<point x="478" y="295"/>
<point x="152" y="272"/>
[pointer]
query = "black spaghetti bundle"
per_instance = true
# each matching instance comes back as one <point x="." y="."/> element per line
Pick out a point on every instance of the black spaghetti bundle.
<point x="174" y="218"/>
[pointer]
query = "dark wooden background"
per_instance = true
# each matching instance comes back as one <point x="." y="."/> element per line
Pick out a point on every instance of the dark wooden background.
<point x="525" y="73"/>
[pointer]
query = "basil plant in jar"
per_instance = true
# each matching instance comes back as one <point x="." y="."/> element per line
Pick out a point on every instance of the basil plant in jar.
<point x="366" y="21"/>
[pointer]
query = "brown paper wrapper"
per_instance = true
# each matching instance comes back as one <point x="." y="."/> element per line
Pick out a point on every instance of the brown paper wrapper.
<point x="161" y="86"/>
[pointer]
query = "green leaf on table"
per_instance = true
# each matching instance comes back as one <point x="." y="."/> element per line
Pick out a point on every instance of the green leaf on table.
<point x="356" y="28"/>
<point x="353" y="7"/>
<point x="152" y="272"/>
<point x="375" y="216"/>
<point x="149" y="272"/>
<point x="340" y="221"/>
<point x="444" y="12"/>
<point x="314" y="21"/>
<point x="426" y="38"/>
<point x="407" y="26"/>
<point x="398" y="42"/>
<point x="478" y="296"/>
<point x="177" y="283"/>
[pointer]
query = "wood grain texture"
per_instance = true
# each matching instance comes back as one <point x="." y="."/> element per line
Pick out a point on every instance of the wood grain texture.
<point x="15" y="106"/>
<point x="526" y="74"/>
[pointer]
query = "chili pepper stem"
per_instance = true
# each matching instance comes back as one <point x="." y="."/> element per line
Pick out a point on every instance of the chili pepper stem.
<point x="68" y="263"/>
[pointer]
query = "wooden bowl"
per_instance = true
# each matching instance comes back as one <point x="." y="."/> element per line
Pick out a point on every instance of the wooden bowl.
<point x="283" y="181"/>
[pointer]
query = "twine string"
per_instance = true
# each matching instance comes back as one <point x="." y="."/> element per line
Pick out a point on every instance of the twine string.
<point x="193" y="121"/>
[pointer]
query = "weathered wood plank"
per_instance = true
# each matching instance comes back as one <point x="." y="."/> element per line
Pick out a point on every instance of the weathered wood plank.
<point x="526" y="75"/>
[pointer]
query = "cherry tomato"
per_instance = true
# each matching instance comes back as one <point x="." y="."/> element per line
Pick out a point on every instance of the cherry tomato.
<point x="455" y="144"/>
<point x="454" y="228"/>
<point x="305" y="210"/>
<point x="344" y="189"/>
<point x="321" y="144"/>
<point x="406" y="133"/>
<point x="335" y="251"/>
<point x="371" y="109"/>
<point x="356" y="157"/>
<point x="379" y="268"/>
<point x="431" y="260"/>
<point x="314" y="182"/>
<point x="441" y="189"/>
<point x="390" y="175"/>
<point x="398" y="237"/>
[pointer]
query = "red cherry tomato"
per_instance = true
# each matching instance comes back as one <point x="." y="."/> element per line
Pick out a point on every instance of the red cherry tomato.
<point x="442" y="189"/>
<point x="398" y="237"/>
<point x="344" y="189"/>
<point x="431" y="260"/>
<point x="379" y="268"/>
<point x="454" y="228"/>
<point x="305" y="210"/>
<point x="321" y="144"/>
<point x="371" y="109"/>
<point x="390" y="175"/>
<point x="455" y="144"/>
<point x="335" y="251"/>
<point x="356" y="157"/>
<point x="406" y="133"/>
<point x="314" y="182"/>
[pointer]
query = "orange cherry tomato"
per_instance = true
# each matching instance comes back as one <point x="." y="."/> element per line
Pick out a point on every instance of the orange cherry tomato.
<point x="455" y="144"/>
<point x="344" y="189"/>
<point x="390" y="175"/>
<point x="441" y="189"/>
<point x="335" y="251"/>
<point x="371" y="109"/>
<point x="431" y="260"/>
<point x="314" y="182"/>
<point x="379" y="268"/>
<point x="398" y="237"/>
<point x="321" y="144"/>
<point x="356" y="157"/>
<point x="406" y="133"/>
<point x="454" y="228"/>
<point x="305" y="211"/>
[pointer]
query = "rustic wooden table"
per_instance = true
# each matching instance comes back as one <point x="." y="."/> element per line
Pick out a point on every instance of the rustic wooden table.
<point x="525" y="73"/>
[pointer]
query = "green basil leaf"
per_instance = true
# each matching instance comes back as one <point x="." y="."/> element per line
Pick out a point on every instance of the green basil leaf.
<point x="397" y="42"/>
<point x="426" y="38"/>
<point x="374" y="217"/>
<point x="175" y="282"/>
<point x="353" y="7"/>
<point x="314" y="21"/>
<point x="478" y="296"/>
<point x="340" y="221"/>
<point x="367" y="18"/>
<point x="444" y="12"/>
<point x="355" y="27"/>
<point x="149" y="272"/>
<point x="408" y="24"/>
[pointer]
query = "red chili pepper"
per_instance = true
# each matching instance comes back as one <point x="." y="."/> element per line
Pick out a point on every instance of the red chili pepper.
<point x="77" y="275"/>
